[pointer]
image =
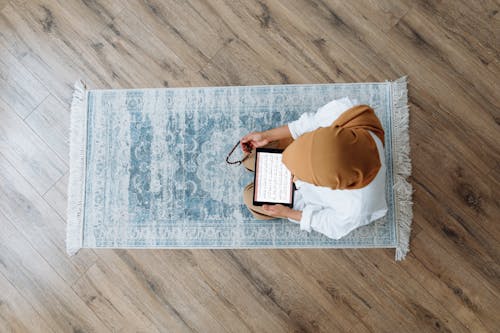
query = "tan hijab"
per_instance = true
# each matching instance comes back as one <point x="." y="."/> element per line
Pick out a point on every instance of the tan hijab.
<point x="341" y="156"/>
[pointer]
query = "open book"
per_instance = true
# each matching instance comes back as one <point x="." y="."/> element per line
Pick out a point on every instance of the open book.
<point x="273" y="183"/>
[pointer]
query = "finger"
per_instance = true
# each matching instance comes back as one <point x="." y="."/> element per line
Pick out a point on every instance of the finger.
<point x="245" y="147"/>
<point x="269" y="208"/>
<point x="273" y="209"/>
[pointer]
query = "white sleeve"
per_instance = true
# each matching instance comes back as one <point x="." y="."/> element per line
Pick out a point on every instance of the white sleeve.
<point x="323" y="117"/>
<point x="328" y="221"/>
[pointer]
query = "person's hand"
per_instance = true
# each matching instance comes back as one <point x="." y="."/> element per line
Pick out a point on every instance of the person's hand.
<point x="253" y="140"/>
<point x="277" y="210"/>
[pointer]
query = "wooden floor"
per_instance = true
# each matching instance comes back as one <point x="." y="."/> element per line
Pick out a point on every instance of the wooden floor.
<point x="450" y="281"/>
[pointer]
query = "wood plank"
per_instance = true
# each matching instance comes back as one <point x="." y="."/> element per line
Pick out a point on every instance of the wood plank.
<point x="25" y="38"/>
<point x="342" y="280"/>
<point x="384" y="14"/>
<point x="19" y="89"/>
<point x="474" y="205"/>
<point x="460" y="244"/>
<point x="142" y="289"/>
<point x="472" y="73"/>
<point x="426" y="311"/>
<point x="477" y="223"/>
<point x="445" y="293"/>
<point x="57" y="196"/>
<point x="473" y="24"/>
<point x="44" y="36"/>
<point x="189" y="29"/>
<point x="33" y="158"/>
<point x="460" y="241"/>
<point x="265" y="30"/>
<point x="50" y="121"/>
<point x="213" y="312"/>
<point x="407" y="297"/>
<point x="41" y="226"/>
<point x="237" y="64"/>
<point x="308" y="304"/>
<point x="97" y="13"/>
<point x="335" y="42"/>
<point x="250" y="298"/>
<point x="37" y="281"/>
<point x="459" y="283"/>
<point x="110" y="302"/>
<point x="16" y="313"/>
<point x="140" y="59"/>
<point x="470" y="198"/>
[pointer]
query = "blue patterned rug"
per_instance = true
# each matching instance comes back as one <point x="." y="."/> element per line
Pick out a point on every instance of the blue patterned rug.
<point x="147" y="166"/>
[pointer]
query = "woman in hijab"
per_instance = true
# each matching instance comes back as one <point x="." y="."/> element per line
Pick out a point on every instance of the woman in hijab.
<point x="336" y="156"/>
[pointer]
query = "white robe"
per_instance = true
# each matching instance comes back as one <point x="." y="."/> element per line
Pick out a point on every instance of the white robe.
<point x="335" y="213"/>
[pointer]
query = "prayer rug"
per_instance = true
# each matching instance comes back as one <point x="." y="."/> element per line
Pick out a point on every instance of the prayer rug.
<point x="148" y="170"/>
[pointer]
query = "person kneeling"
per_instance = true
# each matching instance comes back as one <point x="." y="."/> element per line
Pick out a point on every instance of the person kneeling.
<point x="337" y="158"/>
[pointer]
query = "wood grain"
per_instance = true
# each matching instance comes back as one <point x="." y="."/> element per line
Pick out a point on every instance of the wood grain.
<point x="16" y="312"/>
<point x="50" y="120"/>
<point x="22" y="147"/>
<point x="40" y="225"/>
<point x="57" y="196"/>
<point x="19" y="89"/>
<point x="450" y="281"/>
<point x="41" y="285"/>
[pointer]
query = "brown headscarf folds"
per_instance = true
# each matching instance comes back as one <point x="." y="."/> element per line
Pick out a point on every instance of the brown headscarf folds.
<point x="340" y="156"/>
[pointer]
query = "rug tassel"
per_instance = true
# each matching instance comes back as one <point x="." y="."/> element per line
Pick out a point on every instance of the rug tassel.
<point x="402" y="166"/>
<point x="77" y="155"/>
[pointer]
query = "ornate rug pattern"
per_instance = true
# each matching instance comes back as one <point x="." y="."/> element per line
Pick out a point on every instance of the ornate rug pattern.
<point x="147" y="166"/>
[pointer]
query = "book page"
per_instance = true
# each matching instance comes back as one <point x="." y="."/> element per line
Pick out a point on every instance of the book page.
<point x="273" y="181"/>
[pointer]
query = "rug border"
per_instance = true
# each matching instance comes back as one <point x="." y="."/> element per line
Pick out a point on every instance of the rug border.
<point x="401" y="162"/>
<point x="77" y="168"/>
<point x="249" y="86"/>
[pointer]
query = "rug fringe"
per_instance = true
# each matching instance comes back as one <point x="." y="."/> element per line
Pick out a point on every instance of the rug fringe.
<point x="77" y="155"/>
<point x="402" y="166"/>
